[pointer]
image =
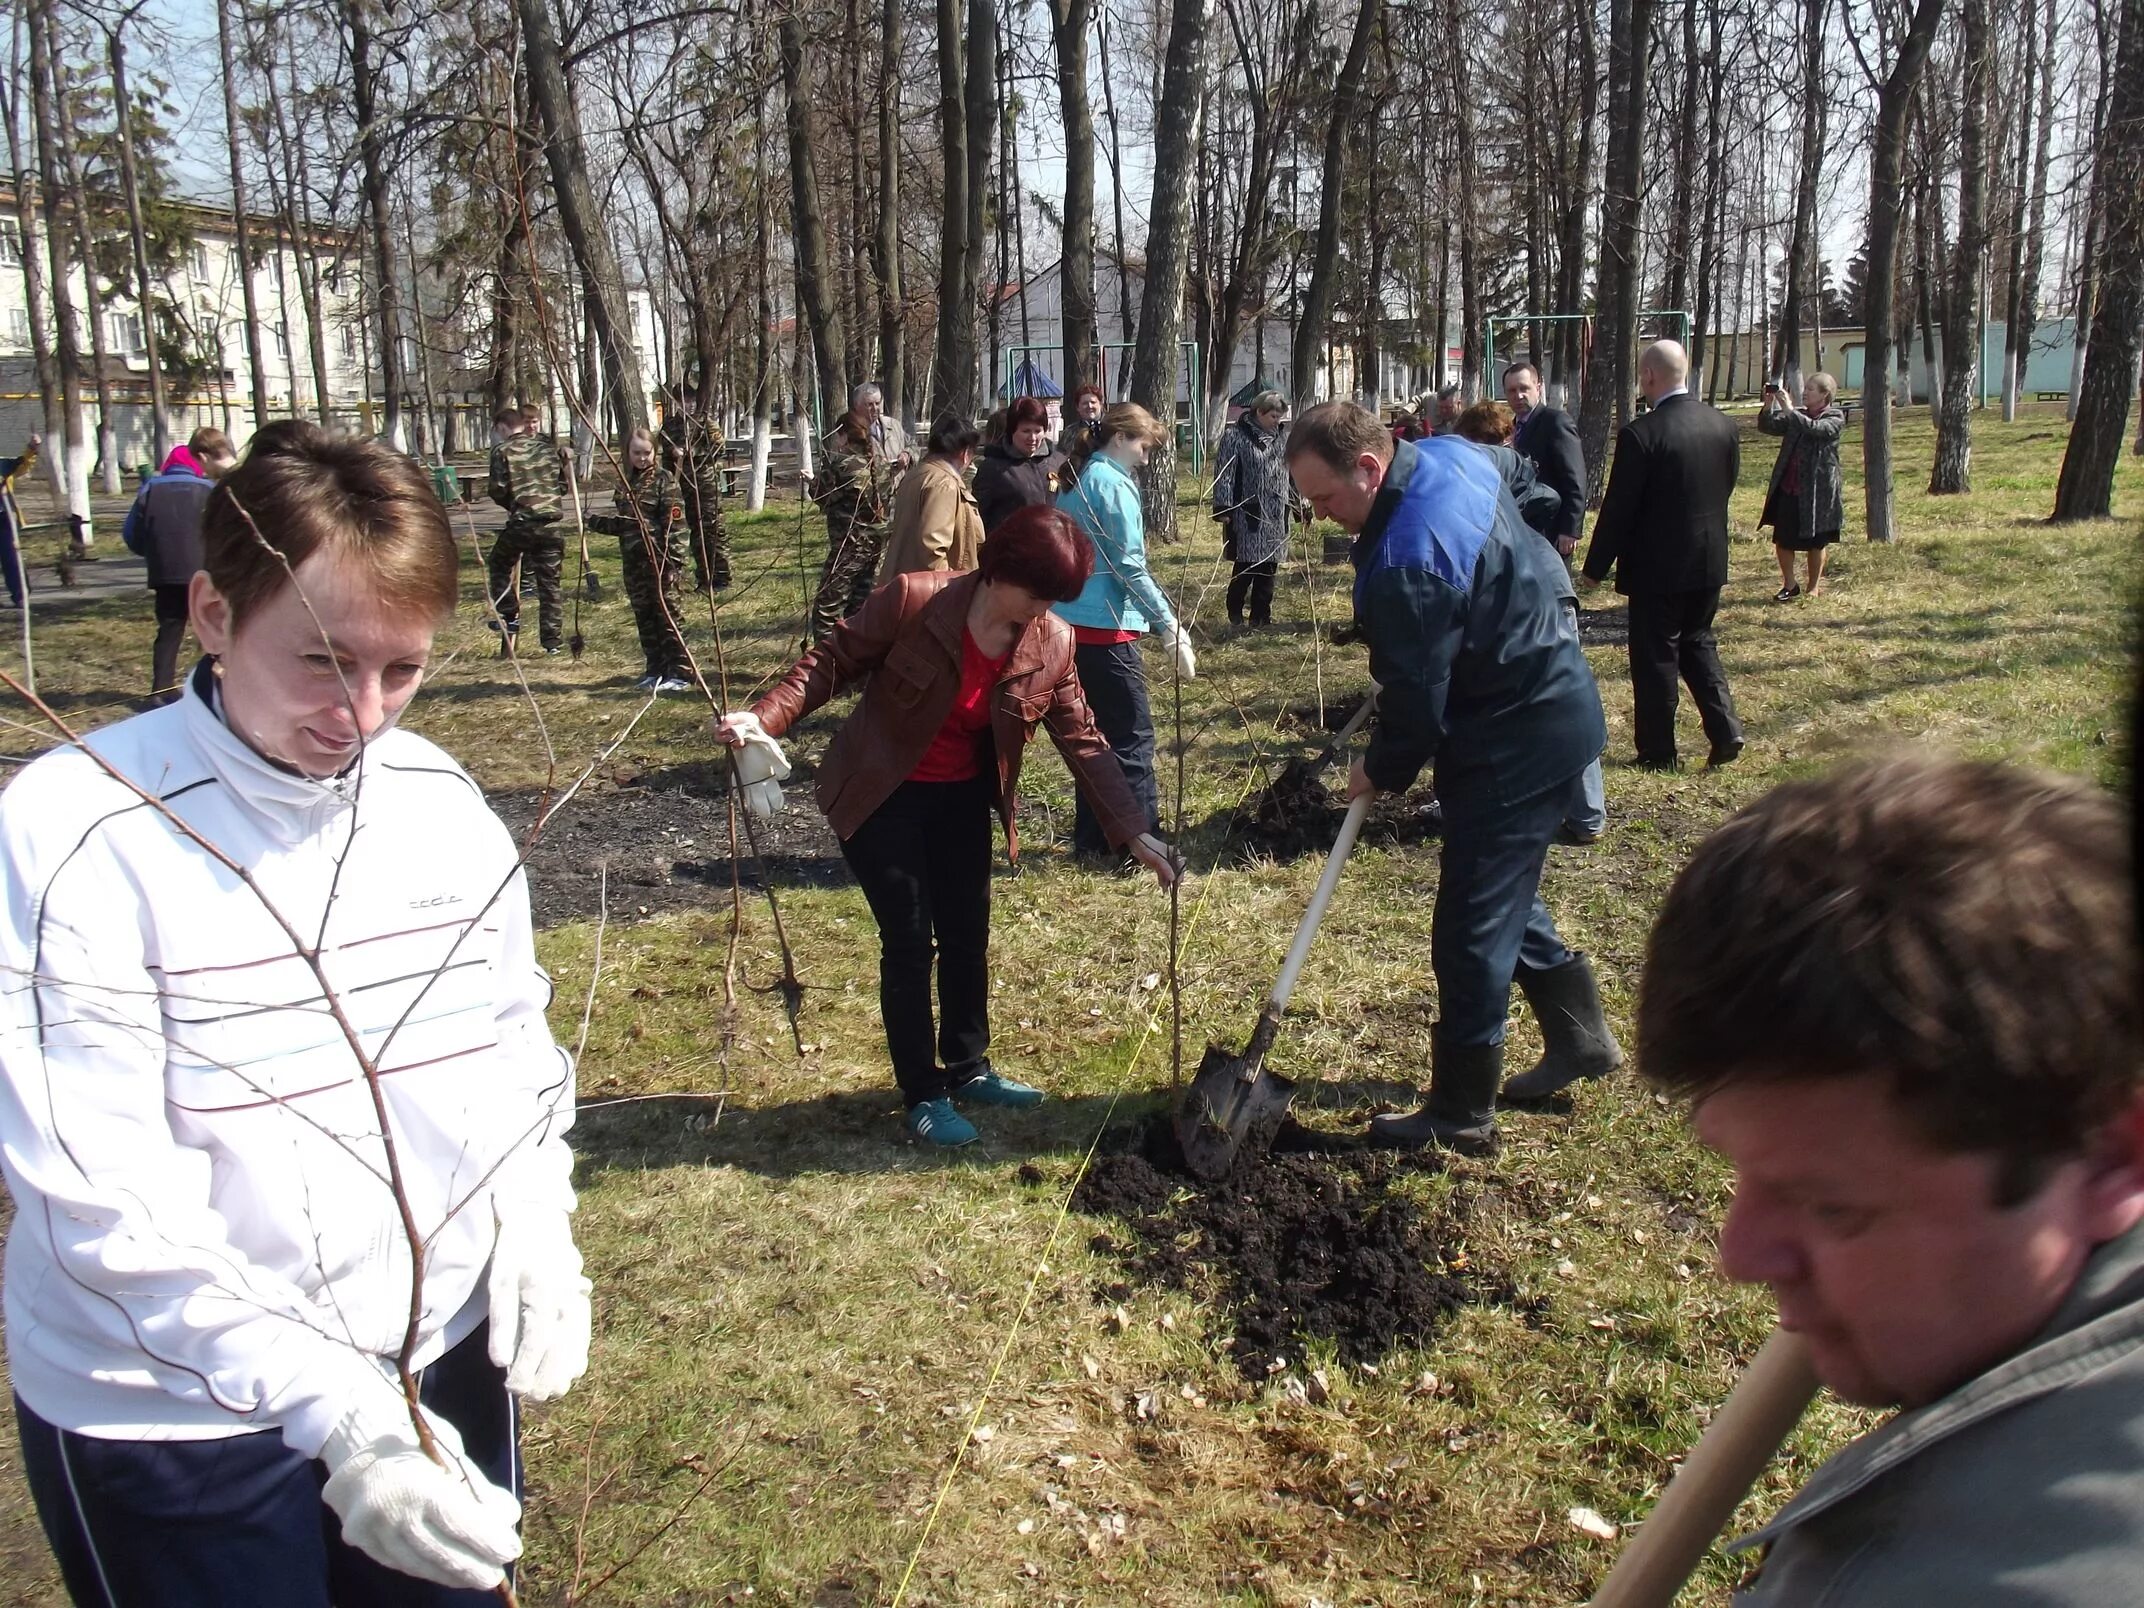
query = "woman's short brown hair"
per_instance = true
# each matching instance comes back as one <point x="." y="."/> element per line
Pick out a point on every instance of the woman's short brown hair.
<point x="1961" y="932"/>
<point x="302" y="491"/>
<point x="1488" y="422"/>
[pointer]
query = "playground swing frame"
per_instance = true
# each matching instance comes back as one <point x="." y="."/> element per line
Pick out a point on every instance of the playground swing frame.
<point x="1585" y="321"/>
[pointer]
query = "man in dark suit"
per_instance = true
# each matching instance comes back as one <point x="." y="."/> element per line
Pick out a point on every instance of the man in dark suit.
<point x="1548" y="436"/>
<point x="1663" y="526"/>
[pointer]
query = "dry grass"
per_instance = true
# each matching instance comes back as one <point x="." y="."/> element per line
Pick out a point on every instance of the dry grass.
<point x="798" y="1316"/>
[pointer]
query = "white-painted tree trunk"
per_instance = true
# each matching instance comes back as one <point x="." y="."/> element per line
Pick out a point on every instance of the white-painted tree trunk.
<point x="755" y="486"/>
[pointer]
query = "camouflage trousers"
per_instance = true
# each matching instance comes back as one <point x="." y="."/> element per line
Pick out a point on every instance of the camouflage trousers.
<point x="651" y="565"/>
<point x="539" y="546"/>
<point x="852" y="561"/>
<point x="710" y="537"/>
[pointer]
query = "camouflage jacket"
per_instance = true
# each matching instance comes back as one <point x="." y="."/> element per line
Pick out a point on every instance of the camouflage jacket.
<point x="693" y="450"/>
<point x="854" y="484"/>
<point x="527" y="479"/>
<point x="653" y="493"/>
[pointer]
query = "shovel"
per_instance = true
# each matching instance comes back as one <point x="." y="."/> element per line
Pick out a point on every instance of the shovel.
<point x="1234" y="1101"/>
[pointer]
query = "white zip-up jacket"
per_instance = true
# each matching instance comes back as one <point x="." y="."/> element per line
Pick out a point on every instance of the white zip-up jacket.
<point x="205" y="1242"/>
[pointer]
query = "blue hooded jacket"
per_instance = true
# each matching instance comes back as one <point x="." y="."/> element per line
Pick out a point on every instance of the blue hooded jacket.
<point x="1473" y="636"/>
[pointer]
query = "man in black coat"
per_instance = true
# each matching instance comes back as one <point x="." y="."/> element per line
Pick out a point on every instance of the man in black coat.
<point x="1663" y="526"/>
<point x="1548" y="436"/>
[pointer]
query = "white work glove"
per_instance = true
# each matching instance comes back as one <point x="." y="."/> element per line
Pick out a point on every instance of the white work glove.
<point x="1187" y="664"/>
<point x="538" y="1297"/>
<point x="445" y="1524"/>
<point x="761" y="764"/>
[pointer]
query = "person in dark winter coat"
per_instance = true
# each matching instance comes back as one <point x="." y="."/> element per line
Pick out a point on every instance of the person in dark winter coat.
<point x="1013" y="473"/>
<point x="1805" y="505"/>
<point x="1252" y="500"/>
<point x="1548" y="437"/>
<point x="164" y="527"/>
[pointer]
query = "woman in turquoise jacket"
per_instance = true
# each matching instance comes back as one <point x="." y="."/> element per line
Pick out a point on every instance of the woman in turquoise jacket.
<point x="1120" y="604"/>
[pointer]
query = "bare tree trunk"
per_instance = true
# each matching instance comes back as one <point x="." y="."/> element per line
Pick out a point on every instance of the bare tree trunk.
<point x="107" y="459"/>
<point x="1128" y="315"/>
<point x="582" y="221"/>
<point x="372" y="161"/>
<point x="33" y="273"/>
<point x="2025" y="271"/>
<point x="2086" y="489"/>
<point x="981" y="105"/>
<point x="1961" y="320"/>
<point x="1324" y="259"/>
<point x="886" y="241"/>
<point x="1069" y="21"/>
<point x="1802" y="246"/>
<point x="764" y="378"/>
<point x="953" y="363"/>
<point x="1886" y="208"/>
<point x="298" y="221"/>
<point x="1709" y="243"/>
<point x="1156" y="360"/>
<point x="1685" y="209"/>
<point x="138" y="237"/>
<point x="68" y="337"/>
<point x="242" y="230"/>
<point x="1471" y="309"/>
<point x="1615" y="297"/>
<point x="1571" y="250"/>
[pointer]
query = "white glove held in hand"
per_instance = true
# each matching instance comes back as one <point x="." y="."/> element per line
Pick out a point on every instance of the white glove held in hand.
<point x="1187" y="664"/>
<point x="761" y="764"/>
<point x="539" y="1306"/>
<point x="450" y="1525"/>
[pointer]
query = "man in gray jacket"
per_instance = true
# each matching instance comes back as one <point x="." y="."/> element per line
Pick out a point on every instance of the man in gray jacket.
<point x="1904" y="1002"/>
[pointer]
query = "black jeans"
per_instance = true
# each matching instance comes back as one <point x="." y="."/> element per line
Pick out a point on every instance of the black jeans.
<point x="171" y="616"/>
<point x="211" y="1523"/>
<point x="1114" y="683"/>
<point x="923" y="859"/>
<point x="1671" y="636"/>
<point x="1252" y="584"/>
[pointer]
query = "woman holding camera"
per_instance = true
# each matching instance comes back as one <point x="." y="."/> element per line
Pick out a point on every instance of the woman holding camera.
<point x="1804" y="505"/>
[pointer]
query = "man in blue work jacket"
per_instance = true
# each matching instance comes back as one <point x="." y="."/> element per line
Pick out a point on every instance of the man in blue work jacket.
<point x="1464" y="609"/>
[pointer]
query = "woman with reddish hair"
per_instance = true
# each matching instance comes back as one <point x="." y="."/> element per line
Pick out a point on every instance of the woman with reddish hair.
<point x="1013" y="474"/>
<point x="957" y="670"/>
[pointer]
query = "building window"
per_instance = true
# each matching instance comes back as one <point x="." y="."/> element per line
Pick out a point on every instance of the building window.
<point x="349" y="342"/>
<point x="197" y="259"/>
<point x="127" y="334"/>
<point x="282" y="344"/>
<point x="10" y="242"/>
<point x="18" y="327"/>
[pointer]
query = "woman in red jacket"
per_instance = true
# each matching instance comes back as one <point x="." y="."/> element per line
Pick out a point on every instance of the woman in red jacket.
<point x="957" y="671"/>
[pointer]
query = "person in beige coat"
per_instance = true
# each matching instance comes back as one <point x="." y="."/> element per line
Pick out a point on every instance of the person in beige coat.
<point x="936" y="524"/>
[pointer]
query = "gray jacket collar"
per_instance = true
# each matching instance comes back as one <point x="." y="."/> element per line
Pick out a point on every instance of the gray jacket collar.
<point x="2102" y="1320"/>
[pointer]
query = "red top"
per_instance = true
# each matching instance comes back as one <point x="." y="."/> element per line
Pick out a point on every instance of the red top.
<point x="1101" y="636"/>
<point x="955" y="754"/>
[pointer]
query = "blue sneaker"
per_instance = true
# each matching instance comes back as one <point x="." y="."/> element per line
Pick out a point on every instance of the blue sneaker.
<point x="936" y="1122"/>
<point x="992" y="1087"/>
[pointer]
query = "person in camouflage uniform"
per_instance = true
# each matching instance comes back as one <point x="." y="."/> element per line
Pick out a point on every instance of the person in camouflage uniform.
<point x="693" y="451"/>
<point x="528" y="480"/>
<point x="650" y="527"/>
<point x="855" y="488"/>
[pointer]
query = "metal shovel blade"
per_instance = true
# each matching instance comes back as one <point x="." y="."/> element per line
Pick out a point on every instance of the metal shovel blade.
<point x="1232" y="1102"/>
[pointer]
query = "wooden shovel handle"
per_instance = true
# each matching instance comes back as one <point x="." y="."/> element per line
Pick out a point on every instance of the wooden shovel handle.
<point x="1760" y="1413"/>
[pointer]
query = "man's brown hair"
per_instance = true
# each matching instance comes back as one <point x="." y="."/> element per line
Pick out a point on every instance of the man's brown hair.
<point x="1337" y="433"/>
<point x="303" y="491"/>
<point x="209" y="442"/>
<point x="1961" y="931"/>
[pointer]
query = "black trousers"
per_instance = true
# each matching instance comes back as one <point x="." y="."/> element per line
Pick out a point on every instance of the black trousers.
<point x="1114" y="682"/>
<point x="1671" y="637"/>
<point x="171" y="613"/>
<point x="214" y="1523"/>
<point x="923" y="859"/>
<point x="1252" y="584"/>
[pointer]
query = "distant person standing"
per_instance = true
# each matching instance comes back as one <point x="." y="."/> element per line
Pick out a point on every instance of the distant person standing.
<point x="1252" y="497"/>
<point x="888" y="439"/>
<point x="164" y="527"/>
<point x="692" y="450"/>
<point x="1013" y="472"/>
<point x="1547" y="436"/>
<point x="1444" y="417"/>
<point x="1804" y="505"/>
<point x="935" y="524"/>
<point x="10" y="534"/>
<point x="854" y="486"/>
<point x="1088" y="405"/>
<point x="649" y="525"/>
<point x="528" y="480"/>
<point x="1663" y="528"/>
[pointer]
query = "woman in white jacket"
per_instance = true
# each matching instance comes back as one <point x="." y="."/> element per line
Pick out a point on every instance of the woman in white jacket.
<point x="279" y="1140"/>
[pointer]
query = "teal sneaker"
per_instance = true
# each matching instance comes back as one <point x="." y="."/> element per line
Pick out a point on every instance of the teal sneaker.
<point x="992" y="1087"/>
<point x="936" y="1122"/>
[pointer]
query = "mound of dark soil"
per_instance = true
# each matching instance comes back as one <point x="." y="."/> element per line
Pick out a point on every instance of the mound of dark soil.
<point x="1298" y="814"/>
<point x="1605" y="627"/>
<point x="1297" y="1246"/>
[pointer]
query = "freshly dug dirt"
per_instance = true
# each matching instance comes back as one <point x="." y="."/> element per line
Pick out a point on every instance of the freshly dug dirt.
<point x="664" y="834"/>
<point x="1605" y="627"/>
<point x="1297" y="1245"/>
<point x="1299" y="813"/>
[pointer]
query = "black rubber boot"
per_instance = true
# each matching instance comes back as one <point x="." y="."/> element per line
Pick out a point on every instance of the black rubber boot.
<point x="1574" y="1033"/>
<point x="1460" y="1113"/>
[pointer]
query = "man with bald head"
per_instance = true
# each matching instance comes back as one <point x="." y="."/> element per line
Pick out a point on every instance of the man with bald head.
<point x="1663" y="527"/>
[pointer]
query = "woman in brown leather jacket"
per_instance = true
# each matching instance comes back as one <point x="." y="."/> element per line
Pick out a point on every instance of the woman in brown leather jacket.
<point x="957" y="671"/>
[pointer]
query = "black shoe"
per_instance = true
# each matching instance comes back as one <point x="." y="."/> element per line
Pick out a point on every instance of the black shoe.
<point x="1576" y="1040"/>
<point x="1460" y="1114"/>
<point x="1787" y="593"/>
<point x="1657" y="762"/>
<point x="1723" y="754"/>
<point x="1578" y="837"/>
